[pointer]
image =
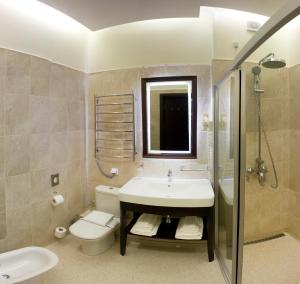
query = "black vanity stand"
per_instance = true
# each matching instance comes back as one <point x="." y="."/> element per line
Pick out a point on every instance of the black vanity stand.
<point x="174" y="212"/>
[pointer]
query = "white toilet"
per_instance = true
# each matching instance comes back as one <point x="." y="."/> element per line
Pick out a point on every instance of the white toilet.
<point x="96" y="230"/>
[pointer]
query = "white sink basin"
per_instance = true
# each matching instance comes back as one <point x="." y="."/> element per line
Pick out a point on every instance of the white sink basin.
<point x="227" y="190"/>
<point x="160" y="192"/>
<point x="25" y="263"/>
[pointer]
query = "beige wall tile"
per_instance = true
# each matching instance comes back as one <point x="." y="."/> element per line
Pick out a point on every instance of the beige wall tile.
<point x="73" y="84"/>
<point x="45" y="147"/>
<point x="2" y="156"/>
<point x="40" y="114"/>
<point x="17" y="155"/>
<point x="2" y="69"/>
<point x="294" y="146"/>
<point x="2" y="227"/>
<point x="40" y="151"/>
<point x="19" y="228"/>
<point x="2" y="195"/>
<point x="58" y="119"/>
<point x="40" y="189"/>
<point x="16" y="114"/>
<point x="59" y="148"/>
<point x="2" y="115"/>
<point x="57" y="81"/>
<point x="294" y="73"/>
<point x="294" y="225"/>
<point x="42" y="233"/>
<point x="40" y="76"/>
<point x="17" y="80"/>
<point x="17" y="192"/>
<point x="75" y="115"/>
<point x="275" y="83"/>
<point x="275" y="113"/>
<point x="2" y="209"/>
<point x="75" y="145"/>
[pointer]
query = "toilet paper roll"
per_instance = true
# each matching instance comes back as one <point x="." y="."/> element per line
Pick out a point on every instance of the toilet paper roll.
<point x="57" y="199"/>
<point x="60" y="232"/>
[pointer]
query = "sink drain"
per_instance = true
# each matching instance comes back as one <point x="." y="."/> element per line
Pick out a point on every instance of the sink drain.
<point x="6" y="276"/>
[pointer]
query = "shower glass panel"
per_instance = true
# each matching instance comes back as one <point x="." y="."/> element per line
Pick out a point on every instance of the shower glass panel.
<point x="227" y="113"/>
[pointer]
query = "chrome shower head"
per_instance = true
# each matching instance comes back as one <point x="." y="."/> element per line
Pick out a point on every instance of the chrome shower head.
<point x="270" y="61"/>
<point x="274" y="63"/>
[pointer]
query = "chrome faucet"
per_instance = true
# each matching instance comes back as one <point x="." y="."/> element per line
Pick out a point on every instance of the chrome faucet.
<point x="260" y="170"/>
<point x="170" y="175"/>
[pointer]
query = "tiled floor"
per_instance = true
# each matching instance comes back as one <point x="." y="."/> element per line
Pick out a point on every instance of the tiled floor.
<point x="142" y="264"/>
<point x="276" y="261"/>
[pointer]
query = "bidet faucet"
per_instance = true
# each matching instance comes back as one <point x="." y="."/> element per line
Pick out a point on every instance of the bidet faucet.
<point x="169" y="175"/>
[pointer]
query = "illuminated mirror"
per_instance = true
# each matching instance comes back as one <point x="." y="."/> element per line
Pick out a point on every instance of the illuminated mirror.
<point x="169" y="116"/>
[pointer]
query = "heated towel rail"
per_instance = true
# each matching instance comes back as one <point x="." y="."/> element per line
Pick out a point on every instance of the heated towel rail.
<point x="115" y="127"/>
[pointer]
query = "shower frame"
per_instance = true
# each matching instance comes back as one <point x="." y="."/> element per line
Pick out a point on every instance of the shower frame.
<point x="285" y="14"/>
<point x="238" y="154"/>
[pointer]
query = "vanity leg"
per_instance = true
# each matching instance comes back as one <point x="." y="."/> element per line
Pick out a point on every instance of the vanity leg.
<point x="210" y="236"/>
<point x="123" y="232"/>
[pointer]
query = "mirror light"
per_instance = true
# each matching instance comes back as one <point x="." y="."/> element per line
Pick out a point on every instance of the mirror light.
<point x="186" y="85"/>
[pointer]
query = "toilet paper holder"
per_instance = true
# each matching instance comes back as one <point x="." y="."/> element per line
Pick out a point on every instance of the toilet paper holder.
<point x="57" y="199"/>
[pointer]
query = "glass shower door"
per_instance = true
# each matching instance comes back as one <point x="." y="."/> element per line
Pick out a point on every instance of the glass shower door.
<point x="227" y="161"/>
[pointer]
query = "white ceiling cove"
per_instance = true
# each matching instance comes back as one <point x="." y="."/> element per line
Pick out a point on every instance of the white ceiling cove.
<point x="99" y="14"/>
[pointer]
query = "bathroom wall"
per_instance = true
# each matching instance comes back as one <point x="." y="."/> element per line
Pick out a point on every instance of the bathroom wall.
<point x="129" y="80"/>
<point x="293" y="29"/>
<point x="41" y="133"/>
<point x="153" y="42"/>
<point x="266" y="209"/>
<point x="36" y="29"/>
<point x="294" y="166"/>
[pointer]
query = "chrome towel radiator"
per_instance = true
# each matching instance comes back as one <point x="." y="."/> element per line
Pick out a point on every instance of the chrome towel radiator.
<point x="115" y="127"/>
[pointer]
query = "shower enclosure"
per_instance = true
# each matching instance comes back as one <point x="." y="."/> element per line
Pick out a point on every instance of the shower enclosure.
<point x="227" y="173"/>
<point x="250" y="159"/>
<point x="257" y="156"/>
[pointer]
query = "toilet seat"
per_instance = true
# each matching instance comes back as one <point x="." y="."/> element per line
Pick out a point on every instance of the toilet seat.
<point x="88" y="231"/>
<point x="90" y="226"/>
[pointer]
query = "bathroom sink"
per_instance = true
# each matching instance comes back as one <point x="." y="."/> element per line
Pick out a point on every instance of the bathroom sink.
<point x="25" y="263"/>
<point x="227" y="190"/>
<point x="161" y="192"/>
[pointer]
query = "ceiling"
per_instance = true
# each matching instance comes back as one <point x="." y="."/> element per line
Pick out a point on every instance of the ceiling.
<point x="99" y="14"/>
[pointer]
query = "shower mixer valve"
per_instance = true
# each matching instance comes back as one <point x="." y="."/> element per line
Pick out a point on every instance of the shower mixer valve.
<point x="260" y="170"/>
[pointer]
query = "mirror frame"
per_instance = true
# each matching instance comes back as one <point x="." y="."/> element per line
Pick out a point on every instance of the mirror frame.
<point x="193" y="153"/>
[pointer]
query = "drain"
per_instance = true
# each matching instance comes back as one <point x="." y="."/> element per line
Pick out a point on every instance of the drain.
<point x="265" y="239"/>
<point x="6" y="276"/>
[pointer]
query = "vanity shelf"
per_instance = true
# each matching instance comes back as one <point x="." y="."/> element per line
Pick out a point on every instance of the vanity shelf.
<point x="163" y="232"/>
<point x="167" y="231"/>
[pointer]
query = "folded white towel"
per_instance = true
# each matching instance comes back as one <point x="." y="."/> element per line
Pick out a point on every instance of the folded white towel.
<point x="146" y="225"/>
<point x="147" y="221"/>
<point x="190" y="227"/>
<point x="185" y="237"/>
<point x="190" y="224"/>
<point x="98" y="218"/>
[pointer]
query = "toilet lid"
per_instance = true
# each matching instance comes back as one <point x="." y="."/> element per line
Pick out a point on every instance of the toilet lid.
<point x="88" y="231"/>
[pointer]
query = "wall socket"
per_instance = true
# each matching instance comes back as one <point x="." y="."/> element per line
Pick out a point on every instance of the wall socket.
<point x="54" y="179"/>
